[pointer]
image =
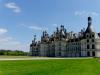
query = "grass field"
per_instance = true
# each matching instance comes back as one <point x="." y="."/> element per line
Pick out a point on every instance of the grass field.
<point x="51" y="67"/>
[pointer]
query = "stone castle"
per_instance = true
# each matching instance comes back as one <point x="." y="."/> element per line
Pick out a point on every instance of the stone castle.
<point x="61" y="43"/>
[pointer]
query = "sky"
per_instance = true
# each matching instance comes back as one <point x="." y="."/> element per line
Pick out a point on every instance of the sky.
<point x="20" y="20"/>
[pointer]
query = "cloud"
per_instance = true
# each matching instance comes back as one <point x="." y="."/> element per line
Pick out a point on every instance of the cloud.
<point x="38" y="28"/>
<point x="15" y="8"/>
<point x="35" y="27"/>
<point x="8" y="41"/>
<point x="55" y="25"/>
<point x="85" y="13"/>
<point x="3" y="30"/>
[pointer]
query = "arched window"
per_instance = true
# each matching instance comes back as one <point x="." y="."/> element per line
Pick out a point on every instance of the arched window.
<point x="93" y="46"/>
<point x="92" y="35"/>
<point x="92" y="40"/>
<point x="88" y="46"/>
<point x="87" y="40"/>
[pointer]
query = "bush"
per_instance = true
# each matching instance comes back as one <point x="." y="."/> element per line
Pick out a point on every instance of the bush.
<point x="13" y="53"/>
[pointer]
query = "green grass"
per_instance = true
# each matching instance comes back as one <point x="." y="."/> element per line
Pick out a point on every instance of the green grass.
<point x="51" y="67"/>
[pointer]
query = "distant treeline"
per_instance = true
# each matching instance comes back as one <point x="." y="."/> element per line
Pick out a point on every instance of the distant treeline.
<point x="13" y="53"/>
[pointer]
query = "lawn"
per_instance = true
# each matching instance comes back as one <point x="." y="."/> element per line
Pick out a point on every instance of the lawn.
<point x="51" y="67"/>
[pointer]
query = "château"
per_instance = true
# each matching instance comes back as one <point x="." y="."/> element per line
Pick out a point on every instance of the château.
<point x="62" y="43"/>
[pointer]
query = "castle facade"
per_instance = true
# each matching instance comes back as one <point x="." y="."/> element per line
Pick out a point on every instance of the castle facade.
<point x="61" y="43"/>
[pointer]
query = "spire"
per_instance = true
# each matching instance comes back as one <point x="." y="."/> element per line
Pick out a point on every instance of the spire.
<point x="62" y="27"/>
<point x="34" y="38"/>
<point x="57" y="29"/>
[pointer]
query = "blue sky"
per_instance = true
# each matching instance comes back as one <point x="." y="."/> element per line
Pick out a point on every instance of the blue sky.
<point x="21" y="19"/>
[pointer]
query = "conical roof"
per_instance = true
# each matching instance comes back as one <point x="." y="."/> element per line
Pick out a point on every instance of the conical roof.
<point x="90" y="28"/>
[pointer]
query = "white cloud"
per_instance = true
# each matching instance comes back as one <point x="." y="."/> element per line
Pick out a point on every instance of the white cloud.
<point x="3" y="30"/>
<point x="34" y="27"/>
<point x="38" y="28"/>
<point x="85" y="13"/>
<point x="55" y="25"/>
<point x="8" y="41"/>
<point x="13" y="6"/>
